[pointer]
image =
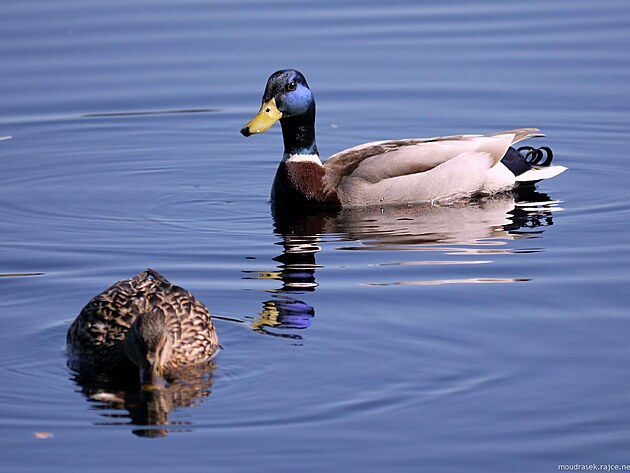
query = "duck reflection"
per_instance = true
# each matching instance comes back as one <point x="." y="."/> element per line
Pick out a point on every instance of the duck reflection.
<point x="112" y="395"/>
<point x="474" y="223"/>
<point x="474" y="227"/>
<point x="284" y="313"/>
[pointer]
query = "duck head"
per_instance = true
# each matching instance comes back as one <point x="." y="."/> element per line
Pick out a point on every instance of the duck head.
<point x="287" y="98"/>
<point x="148" y="345"/>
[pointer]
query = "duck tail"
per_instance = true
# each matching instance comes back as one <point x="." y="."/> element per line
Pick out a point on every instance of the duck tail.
<point x="157" y="276"/>
<point x="537" y="164"/>
<point x="537" y="173"/>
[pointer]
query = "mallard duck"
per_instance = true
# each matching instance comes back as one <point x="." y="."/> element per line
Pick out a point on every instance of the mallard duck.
<point x="388" y="172"/>
<point x="145" y="321"/>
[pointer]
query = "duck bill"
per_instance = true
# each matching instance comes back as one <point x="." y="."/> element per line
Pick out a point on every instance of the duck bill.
<point x="267" y="116"/>
<point x="152" y="377"/>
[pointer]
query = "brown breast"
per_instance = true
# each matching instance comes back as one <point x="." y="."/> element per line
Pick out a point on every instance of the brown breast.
<point x="303" y="184"/>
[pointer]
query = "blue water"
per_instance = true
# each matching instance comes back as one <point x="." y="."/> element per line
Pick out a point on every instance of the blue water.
<point x="487" y="337"/>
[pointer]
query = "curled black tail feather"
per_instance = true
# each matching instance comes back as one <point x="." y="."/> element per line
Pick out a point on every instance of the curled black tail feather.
<point x="525" y="158"/>
<point x="542" y="156"/>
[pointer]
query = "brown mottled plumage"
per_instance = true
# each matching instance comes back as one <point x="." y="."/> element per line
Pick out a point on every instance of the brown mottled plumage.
<point x="133" y="318"/>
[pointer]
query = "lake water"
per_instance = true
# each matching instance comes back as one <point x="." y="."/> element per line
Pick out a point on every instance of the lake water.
<point x="490" y="337"/>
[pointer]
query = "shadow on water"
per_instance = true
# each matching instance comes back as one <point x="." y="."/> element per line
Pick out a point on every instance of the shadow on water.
<point x="113" y="394"/>
<point x="475" y="227"/>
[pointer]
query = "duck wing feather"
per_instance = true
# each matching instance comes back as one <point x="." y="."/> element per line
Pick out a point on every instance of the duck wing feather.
<point x="417" y="169"/>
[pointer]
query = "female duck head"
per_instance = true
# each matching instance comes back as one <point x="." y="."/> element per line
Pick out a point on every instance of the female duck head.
<point x="287" y="98"/>
<point x="149" y="345"/>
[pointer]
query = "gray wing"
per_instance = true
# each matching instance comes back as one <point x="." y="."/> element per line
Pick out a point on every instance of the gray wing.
<point x="418" y="170"/>
<point x="380" y="160"/>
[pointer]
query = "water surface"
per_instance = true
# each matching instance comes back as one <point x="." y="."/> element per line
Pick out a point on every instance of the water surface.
<point x="491" y="336"/>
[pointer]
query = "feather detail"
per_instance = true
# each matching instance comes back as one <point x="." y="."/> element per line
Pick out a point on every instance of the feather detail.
<point x="96" y="337"/>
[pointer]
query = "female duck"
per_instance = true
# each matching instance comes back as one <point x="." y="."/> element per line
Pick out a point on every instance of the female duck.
<point x="388" y="172"/>
<point x="145" y="321"/>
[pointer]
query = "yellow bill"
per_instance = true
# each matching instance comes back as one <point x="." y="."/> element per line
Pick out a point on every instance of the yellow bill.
<point x="267" y="116"/>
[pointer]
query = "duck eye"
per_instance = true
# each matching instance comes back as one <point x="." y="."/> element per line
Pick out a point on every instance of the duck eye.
<point x="292" y="85"/>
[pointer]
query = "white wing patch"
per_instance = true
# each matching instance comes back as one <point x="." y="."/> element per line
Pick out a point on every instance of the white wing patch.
<point x="538" y="173"/>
